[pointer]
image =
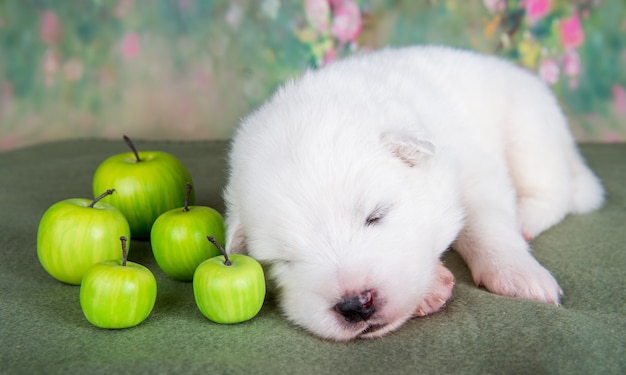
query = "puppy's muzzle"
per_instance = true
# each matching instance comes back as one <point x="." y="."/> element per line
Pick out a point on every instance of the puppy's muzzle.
<point x="357" y="308"/>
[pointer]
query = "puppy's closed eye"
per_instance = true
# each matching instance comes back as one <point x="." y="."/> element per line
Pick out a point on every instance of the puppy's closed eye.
<point x="376" y="216"/>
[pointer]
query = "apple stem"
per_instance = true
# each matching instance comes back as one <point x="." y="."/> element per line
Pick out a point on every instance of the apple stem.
<point x="124" y="253"/>
<point x="96" y="199"/>
<point x="132" y="147"/>
<point x="220" y="248"/>
<point x="186" y="207"/>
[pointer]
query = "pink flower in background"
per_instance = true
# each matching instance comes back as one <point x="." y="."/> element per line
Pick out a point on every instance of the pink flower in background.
<point x="336" y="3"/>
<point x="571" y="63"/>
<point x="318" y="14"/>
<point x="347" y="21"/>
<point x="619" y="99"/>
<point x="536" y="9"/>
<point x="549" y="71"/>
<point x="330" y="56"/>
<point x="130" y="46"/>
<point x="572" y="34"/>
<point x="572" y="67"/>
<point x="50" y="28"/>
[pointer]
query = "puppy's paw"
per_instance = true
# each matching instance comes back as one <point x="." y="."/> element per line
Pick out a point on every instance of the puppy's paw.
<point x="439" y="293"/>
<point x="520" y="276"/>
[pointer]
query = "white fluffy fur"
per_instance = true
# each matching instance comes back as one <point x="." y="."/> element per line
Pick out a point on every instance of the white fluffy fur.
<point x="448" y="147"/>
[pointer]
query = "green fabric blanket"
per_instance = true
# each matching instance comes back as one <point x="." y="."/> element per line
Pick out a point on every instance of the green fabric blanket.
<point x="43" y="330"/>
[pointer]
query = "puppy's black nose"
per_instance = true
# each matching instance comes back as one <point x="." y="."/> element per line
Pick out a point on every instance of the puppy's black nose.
<point x="356" y="308"/>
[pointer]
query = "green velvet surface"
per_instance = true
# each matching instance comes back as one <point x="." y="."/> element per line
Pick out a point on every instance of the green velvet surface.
<point x="43" y="330"/>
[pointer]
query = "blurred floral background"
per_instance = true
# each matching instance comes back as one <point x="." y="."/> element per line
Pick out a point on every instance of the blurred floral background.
<point x="190" y="69"/>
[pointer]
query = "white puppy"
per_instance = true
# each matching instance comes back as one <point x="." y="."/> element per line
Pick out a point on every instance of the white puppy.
<point x="350" y="182"/>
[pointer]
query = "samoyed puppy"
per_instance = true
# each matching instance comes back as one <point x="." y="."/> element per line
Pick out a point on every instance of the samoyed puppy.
<point x="351" y="181"/>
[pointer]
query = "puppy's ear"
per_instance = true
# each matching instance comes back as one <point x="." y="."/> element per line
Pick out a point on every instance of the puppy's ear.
<point x="235" y="237"/>
<point x="407" y="147"/>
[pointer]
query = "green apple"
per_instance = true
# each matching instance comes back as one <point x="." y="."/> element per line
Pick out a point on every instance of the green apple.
<point x="76" y="233"/>
<point x="178" y="238"/>
<point x="117" y="293"/>
<point x="229" y="289"/>
<point x="148" y="183"/>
